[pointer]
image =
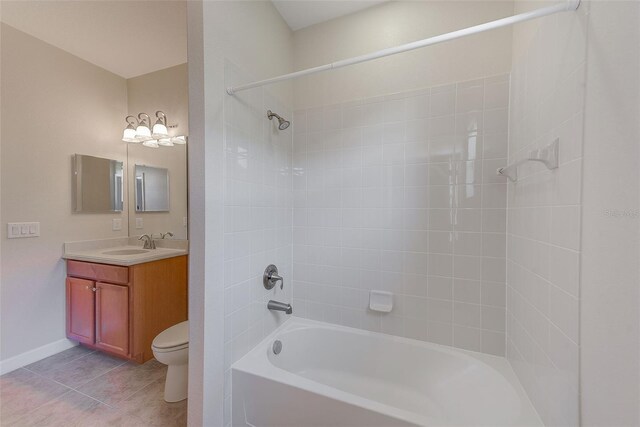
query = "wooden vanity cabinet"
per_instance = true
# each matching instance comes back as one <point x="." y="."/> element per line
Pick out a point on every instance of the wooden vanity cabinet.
<point x="120" y="310"/>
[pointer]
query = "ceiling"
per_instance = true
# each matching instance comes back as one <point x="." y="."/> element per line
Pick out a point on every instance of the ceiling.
<point x="303" y="13"/>
<point x="128" y="38"/>
<point x="131" y="38"/>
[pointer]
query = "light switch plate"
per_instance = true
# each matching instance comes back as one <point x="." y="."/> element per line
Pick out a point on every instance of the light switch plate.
<point x="139" y="223"/>
<point x="21" y="230"/>
<point x="116" y="224"/>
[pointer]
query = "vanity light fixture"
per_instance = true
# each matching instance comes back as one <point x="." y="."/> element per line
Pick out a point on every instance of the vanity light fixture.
<point x="139" y="131"/>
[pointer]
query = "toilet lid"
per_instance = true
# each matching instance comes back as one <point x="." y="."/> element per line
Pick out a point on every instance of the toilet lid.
<point x="174" y="336"/>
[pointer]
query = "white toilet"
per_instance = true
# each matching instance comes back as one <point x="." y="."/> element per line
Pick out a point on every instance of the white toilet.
<point x="171" y="347"/>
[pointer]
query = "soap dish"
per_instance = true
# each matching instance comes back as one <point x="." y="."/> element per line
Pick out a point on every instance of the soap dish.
<point x="381" y="301"/>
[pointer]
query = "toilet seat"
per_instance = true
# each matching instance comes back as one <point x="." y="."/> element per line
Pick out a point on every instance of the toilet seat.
<point x="169" y="349"/>
<point x="172" y="339"/>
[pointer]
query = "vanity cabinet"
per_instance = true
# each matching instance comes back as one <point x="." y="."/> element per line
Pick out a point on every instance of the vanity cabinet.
<point x="119" y="309"/>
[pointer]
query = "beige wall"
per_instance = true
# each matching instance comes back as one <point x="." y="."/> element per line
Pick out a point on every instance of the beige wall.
<point x="253" y="36"/>
<point x="165" y="90"/>
<point x="53" y="106"/>
<point x="392" y="24"/>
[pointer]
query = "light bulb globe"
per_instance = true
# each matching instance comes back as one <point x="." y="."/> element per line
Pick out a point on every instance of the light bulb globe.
<point x="179" y="140"/>
<point x="129" y="135"/>
<point x="151" y="143"/>
<point x="143" y="132"/>
<point x="160" y="131"/>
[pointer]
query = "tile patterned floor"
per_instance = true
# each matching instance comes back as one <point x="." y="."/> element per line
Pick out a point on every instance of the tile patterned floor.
<point x="80" y="387"/>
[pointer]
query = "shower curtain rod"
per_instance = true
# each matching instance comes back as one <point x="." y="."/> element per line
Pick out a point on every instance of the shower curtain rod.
<point x="567" y="5"/>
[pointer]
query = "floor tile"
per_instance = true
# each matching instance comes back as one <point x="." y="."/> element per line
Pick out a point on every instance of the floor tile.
<point x="148" y="405"/>
<point x="58" y="360"/>
<point x="84" y="369"/>
<point x="121" y="382"/>
<point x="22" y="391"/>
<point x="70" y="409"/>
<point x="107" y="392"/>
<point x="113" y="418"/>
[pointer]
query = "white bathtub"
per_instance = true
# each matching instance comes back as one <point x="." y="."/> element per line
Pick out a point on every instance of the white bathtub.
<point x="329" y="375"/>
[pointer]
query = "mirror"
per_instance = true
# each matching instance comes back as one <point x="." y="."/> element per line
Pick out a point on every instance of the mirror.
<point x="157" y="190"/>
<point x="97" y="185"/>
<point x="151" y="189"/>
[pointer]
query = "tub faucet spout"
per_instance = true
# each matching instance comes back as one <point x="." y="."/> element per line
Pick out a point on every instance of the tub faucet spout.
<point x="279" y="306"/>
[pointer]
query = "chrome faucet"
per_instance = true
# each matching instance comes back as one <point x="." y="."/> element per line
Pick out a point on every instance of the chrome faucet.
<point x="148" y="242"/>
<point x="279" y="306"/>
<point x="168" y="233"/>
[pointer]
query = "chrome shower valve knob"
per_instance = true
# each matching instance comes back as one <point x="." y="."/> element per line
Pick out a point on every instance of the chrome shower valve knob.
<point x="271" y="277"/>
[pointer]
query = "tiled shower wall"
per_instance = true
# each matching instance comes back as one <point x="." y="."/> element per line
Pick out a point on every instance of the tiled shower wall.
<point x="544" y="208"/>
<point x="400" y="193"/>
<point x="257" y="217"/>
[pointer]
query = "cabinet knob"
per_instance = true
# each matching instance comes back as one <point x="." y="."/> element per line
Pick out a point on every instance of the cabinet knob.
<point x="91" y="288"/>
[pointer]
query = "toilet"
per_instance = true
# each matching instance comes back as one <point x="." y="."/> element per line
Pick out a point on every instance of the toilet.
<point x="171" y="347"/>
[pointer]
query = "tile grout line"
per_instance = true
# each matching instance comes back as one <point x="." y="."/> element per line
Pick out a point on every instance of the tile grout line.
<point x="101" y="375"/>
<point x="93" y="398"/>
<point x="64" y="364"/>
<point x="125" y="398"/>
<point x="69" y="389"/>
<point x="95" y="402"/>
<point x="84" y="383"/>
<point x="66" y="386"/>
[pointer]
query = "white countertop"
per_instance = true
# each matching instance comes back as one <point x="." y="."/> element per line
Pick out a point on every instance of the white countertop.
<point x="94" y="251"/>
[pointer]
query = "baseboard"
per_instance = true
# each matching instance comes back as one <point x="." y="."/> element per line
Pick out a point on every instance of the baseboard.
<point x="28" y="357"/>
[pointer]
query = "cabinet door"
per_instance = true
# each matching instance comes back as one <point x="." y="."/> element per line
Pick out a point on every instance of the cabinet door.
<point x="80" y="310"/>
<point x="112" y="318"/>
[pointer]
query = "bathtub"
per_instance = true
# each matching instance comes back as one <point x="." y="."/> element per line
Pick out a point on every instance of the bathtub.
<point x="329" y="375"/>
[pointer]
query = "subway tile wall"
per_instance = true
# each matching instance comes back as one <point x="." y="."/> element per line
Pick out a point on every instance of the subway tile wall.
<point x="399" y="193"/>
<point x="544" y="213"/>
<point x="257" y="217"/>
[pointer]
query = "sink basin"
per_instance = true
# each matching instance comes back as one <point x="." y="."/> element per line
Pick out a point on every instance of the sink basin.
<point x="126" y="252"/>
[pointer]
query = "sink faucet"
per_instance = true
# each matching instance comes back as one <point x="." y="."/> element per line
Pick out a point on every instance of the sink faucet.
<point x="279" y="306"/>
<point x="168" y="233"/>
<point x="148" y="242"/>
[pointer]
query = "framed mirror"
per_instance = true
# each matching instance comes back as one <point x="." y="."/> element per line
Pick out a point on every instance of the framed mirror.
<point x="151" y="189"/>
<point x="98" y="184"/>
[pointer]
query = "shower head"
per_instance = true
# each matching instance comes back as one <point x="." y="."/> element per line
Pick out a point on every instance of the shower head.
<point x="282" y="123"/>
